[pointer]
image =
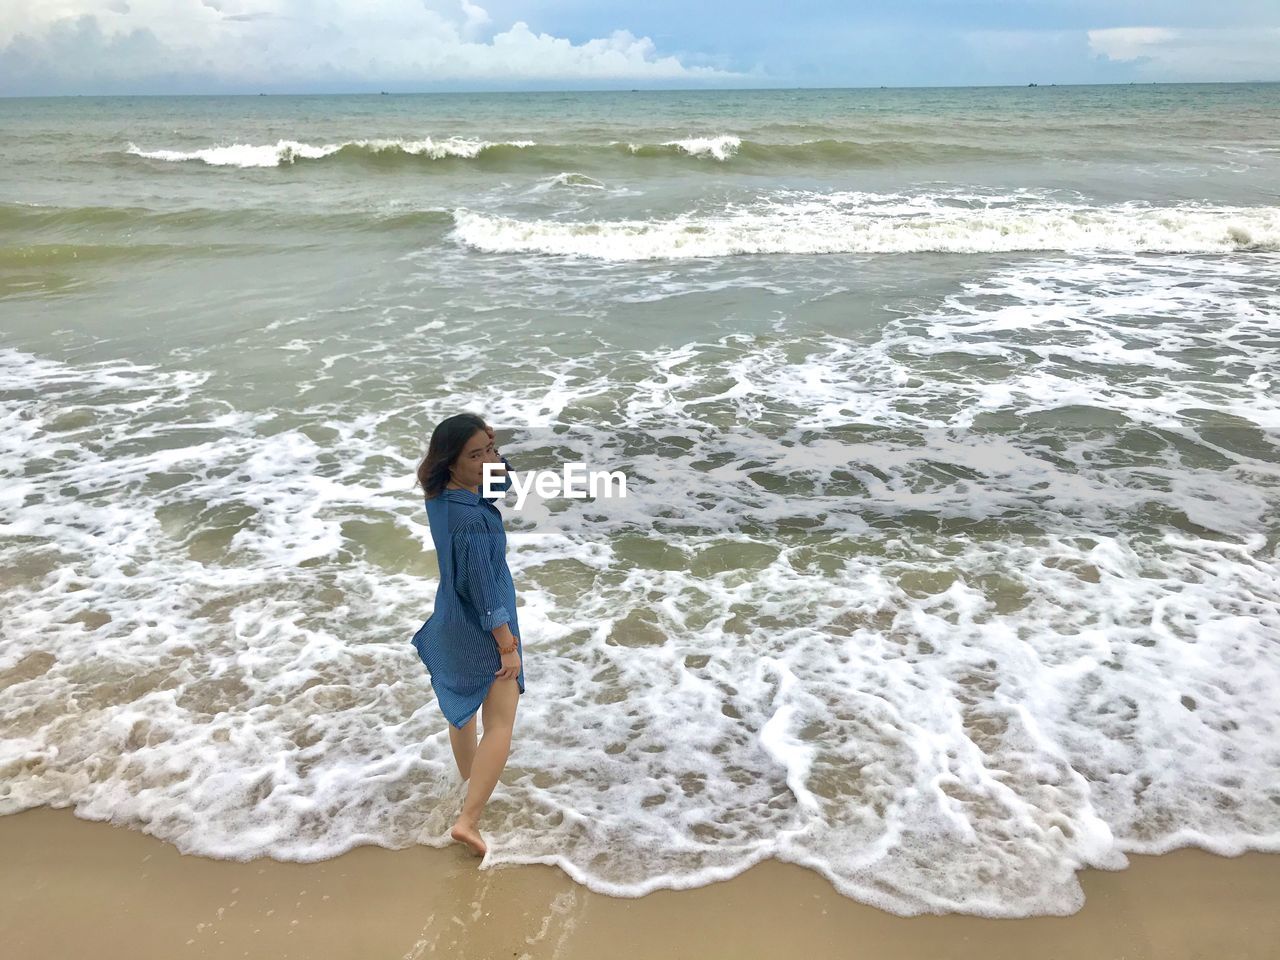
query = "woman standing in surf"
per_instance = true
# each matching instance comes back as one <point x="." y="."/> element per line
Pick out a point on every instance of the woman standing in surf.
<point x="471" y="642"/>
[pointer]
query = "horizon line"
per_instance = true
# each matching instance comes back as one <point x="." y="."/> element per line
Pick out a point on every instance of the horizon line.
<point x="701" y="89"/>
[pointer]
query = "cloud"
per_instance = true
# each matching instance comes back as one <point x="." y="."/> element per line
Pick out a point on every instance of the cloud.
<point x="107" y="46"/>
<point x="84" y="55"/>
<point x="1129" y="43"/>
<point x="477" y="18"/>
<point x="1206" y="54"/>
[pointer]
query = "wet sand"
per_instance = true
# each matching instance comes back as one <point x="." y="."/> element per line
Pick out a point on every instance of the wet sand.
<point x="75" y="888"/>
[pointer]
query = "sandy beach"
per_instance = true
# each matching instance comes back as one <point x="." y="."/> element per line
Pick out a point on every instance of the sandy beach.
<point x="71" y="887"/>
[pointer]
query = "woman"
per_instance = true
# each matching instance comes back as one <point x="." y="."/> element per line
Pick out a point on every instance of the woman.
<point x="471" y="642"/>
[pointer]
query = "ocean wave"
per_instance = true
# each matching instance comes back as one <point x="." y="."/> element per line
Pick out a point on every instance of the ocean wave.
<point x="54" y="222"/>
<point x="721" y="148"/>
<point x="68" y="254"/>
<point x="717" y="149"/>
<point x="285" y="152"/>
<point x="924" y="225"/>
<point x="569" y="180"/>
<point x="821" y="152"/>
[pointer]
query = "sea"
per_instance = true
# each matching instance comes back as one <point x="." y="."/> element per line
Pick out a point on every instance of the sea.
<point x="948" y="561"/>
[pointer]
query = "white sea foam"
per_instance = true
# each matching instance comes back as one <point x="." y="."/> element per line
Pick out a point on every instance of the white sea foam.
<point x="284" y="152"/>
<point x="720" y="147"/>
<point x="862" y="223"/>
<point x="573" y="180"/>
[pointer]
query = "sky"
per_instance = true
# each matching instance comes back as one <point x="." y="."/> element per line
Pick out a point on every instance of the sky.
<point x="61" y="47"/>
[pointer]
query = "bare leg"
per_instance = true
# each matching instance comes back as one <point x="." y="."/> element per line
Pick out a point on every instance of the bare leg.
<point x="464" y="746"/>
<point x="498" y="713"/>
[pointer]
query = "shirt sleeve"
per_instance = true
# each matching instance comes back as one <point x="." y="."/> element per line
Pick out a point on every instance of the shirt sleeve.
<point x="502" y="485"/>
<point x="476" y="574"/>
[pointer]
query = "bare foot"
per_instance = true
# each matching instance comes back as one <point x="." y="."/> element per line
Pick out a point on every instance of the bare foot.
<point x="465" y="832"/>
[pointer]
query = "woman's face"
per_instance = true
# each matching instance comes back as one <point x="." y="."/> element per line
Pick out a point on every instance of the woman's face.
<point x="468" y="469"/>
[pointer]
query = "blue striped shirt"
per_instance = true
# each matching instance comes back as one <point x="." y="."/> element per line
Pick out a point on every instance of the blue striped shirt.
<point x="474" y="596"/>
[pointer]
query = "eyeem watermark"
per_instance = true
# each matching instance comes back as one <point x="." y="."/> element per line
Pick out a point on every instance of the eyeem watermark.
<point x="547" y="483"/>
<point x="794" y="483"/>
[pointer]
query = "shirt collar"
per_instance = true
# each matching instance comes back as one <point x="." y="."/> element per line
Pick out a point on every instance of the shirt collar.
<point x="460" y="495"/>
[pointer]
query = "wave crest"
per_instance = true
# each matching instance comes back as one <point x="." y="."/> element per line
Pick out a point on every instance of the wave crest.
<point x="285" y="152"/>
<point x="917" y="227"/>
<point x="719" y="149"/>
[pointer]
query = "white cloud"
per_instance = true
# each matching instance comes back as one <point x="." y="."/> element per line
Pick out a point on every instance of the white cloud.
<point x="1129" y="43"/>
<point x="1193" y="54"/>
<point x="477" y="17"/>
<point x="51" y="45"/>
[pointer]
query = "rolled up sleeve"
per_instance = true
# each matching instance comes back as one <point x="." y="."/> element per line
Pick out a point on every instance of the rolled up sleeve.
<point x="476" y="575"/>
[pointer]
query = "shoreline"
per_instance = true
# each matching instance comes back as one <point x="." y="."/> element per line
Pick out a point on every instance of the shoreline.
<point x="71" y="886"/>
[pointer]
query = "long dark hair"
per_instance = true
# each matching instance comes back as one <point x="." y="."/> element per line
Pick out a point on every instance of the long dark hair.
<point x="447" y="440"/>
